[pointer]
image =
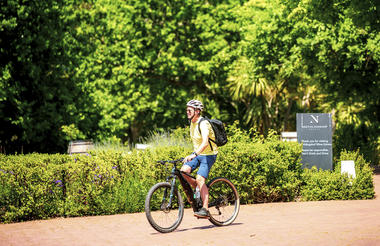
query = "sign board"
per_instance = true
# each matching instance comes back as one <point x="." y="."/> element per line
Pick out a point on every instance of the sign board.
<point x="289" y="136"/>
<point x="80" y="146"/>
<point x="314" y="131"/>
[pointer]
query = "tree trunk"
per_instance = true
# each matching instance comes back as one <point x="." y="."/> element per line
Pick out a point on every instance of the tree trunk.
<point x="290" y="104"/>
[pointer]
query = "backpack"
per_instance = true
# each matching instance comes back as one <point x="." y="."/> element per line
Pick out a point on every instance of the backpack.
<point x="219" y="131"/>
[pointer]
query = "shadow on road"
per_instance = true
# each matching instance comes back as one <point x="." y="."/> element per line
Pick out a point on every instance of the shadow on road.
<point x="198" y="228"/>
<point x="206" y="227"/>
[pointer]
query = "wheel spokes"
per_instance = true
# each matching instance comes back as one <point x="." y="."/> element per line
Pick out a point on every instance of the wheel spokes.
<point x="223" y="202"/>
<point x="163" y="215"/>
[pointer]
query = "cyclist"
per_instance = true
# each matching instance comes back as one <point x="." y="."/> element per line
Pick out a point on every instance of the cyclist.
<point x="204" y="155"/>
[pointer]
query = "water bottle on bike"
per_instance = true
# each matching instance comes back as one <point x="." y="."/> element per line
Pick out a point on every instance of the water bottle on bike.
<point x="197" y="193"/>
<point x="197" y="197"/>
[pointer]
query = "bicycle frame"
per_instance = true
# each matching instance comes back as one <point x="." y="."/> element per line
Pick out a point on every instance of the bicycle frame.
<point x="185" y="185"/>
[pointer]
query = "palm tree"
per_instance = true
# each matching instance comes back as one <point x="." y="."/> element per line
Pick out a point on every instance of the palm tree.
<point x="255" y="93"/>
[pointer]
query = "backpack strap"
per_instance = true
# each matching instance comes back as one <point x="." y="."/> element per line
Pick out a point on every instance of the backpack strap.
<point x="200" y="132"/>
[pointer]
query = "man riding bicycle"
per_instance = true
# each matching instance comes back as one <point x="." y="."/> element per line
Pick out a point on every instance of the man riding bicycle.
<point x="204" y="155"/>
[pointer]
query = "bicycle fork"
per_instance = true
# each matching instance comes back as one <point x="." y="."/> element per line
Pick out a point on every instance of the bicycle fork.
<point x="166" y="205"/>
<point x="172" y="186"/>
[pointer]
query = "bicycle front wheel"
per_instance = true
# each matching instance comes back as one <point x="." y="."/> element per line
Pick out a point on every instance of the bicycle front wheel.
<point x="163" y="215"/>
<point x="224" y="202"/>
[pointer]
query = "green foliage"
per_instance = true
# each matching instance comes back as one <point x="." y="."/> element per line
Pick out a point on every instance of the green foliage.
<point x="336" y="42"/>
<point x="36" y="93"/>
<point x="119" y="70"/>
<point x="263" y="170"/>
<point x="30" y="186"/>
<point x="39" y="186"/>
<point x="72" y="132"/>
<point x="107" y="181"/>
<point x="332" y="185"/>
<point x="177" y="137"/>
<point x="122" y="71"/>
<point x="236" y="134"/>
<point x="352" y="133"/>
<point x="136" y="61"/>
<point x="111" y="145"/>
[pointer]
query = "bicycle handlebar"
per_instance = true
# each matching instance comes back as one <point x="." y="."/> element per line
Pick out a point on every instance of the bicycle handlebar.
<point x="170" y="161"/>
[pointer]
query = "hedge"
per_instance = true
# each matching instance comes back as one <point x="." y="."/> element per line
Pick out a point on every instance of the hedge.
<point x="40" y="186"/>
<point x="332" y="185"/>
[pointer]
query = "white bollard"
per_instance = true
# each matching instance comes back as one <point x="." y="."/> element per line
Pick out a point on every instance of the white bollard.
<point x="349" y="168"/>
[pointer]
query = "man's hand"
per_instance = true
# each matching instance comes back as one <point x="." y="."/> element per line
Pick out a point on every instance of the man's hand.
<point x="189" y="158"/>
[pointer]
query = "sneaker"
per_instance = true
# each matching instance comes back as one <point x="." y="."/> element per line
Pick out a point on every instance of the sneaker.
<point x="202" y="213"/>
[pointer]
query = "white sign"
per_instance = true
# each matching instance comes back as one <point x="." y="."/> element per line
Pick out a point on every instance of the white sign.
<point x="349" y="168"/>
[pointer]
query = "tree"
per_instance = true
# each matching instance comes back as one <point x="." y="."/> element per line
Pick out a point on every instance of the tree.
<point x="140" y="61"/>
<point x="290" y="49"/>
<point x="339" y="41"/>
<point x="269" y="77"/>
<point x="35" y="91"/>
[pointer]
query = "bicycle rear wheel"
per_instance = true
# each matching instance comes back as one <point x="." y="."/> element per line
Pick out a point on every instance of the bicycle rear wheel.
<point x="161" y="216"/>
<point x="224" y="202"/>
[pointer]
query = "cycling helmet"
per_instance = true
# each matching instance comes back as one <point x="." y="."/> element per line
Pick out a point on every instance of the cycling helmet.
<point x="195" y="104"/>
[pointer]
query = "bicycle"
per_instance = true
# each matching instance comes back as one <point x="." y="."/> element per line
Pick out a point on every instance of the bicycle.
<point x="164" y="206"/>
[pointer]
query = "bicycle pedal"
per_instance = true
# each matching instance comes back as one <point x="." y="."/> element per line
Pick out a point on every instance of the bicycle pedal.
<point x="202" y="217"/>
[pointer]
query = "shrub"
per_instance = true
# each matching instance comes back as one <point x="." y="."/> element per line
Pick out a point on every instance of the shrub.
<point x="332" y="185"/>
<point x="30" y="186"/>
<point x="39" y="186"/>
<point x="107" y="181"/>
<point x="262" y="170"/>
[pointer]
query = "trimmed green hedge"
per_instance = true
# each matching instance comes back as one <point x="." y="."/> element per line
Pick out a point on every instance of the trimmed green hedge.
<point x="40" y="186"/>
<point x="266" y="171"/>
<point x="332" y="185"/>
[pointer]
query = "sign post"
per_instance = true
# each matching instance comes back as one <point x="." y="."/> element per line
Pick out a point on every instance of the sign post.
<point x="314" y="131"/>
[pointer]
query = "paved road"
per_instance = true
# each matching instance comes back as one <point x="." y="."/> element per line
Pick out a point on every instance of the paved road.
<point x="295" y="223"/>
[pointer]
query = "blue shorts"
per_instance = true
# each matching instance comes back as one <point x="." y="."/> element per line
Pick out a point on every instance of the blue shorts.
<point x="204" y="162"/>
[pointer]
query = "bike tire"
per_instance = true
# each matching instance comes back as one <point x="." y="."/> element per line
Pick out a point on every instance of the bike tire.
<point x="224" y="202"/>
<point x="163" y="219"/>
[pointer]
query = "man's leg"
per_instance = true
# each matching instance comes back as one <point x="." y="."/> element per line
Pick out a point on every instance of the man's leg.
<point x="187" y="169"/>
<point x="203" y="189"/>
<point x="202" y="174"/>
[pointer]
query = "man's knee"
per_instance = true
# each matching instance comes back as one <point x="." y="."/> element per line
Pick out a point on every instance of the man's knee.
<point x="186" y="169"/>
<point x="200" y="179"/>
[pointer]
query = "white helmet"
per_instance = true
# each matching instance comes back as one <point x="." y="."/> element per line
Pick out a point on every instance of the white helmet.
<point x="195" y="104"/>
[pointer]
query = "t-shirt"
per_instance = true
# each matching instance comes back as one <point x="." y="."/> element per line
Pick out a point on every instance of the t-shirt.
<point x="196" y="137"/>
